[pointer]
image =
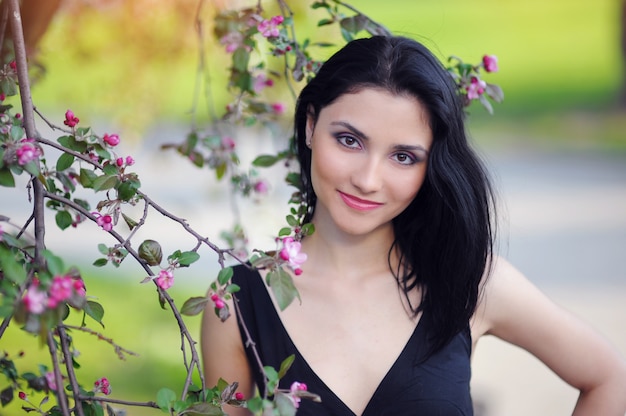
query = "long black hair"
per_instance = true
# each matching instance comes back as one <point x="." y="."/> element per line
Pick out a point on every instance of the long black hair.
<point x="445" y="237"/>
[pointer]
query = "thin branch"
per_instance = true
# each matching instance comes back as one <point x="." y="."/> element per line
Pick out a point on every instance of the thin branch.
<point x="69" y="366"/>
<point x="119" y="350"/>
<point x="58" y="378"/>
<point x="117" y="401"/>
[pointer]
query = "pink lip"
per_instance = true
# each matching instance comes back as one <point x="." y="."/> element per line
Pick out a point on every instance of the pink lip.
<point x="358" y="203"/>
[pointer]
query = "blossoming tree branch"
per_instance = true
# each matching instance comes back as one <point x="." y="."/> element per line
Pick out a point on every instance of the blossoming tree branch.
<point x="38" y="291"/>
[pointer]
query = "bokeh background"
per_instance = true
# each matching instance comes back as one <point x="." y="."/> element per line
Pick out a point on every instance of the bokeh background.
<point x="556" y="148"/>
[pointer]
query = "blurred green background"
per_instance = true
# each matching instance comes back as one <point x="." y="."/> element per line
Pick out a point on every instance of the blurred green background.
<point x="132" y="64"/>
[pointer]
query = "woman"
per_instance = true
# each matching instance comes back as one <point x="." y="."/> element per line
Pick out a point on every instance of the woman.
<point x="401" y="280"/>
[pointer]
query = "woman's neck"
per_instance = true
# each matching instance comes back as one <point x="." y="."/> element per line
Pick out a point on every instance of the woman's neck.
<point x="332" y="253"/>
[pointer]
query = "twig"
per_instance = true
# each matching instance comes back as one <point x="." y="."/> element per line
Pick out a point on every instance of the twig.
<point x="69" y="366"/>
<point x="117" y="401"/>
<point x="119" y="350"/>
<point x="58" y="378"/>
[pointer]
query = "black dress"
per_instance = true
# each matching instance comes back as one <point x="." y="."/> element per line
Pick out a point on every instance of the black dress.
<point x="412" y="387"/>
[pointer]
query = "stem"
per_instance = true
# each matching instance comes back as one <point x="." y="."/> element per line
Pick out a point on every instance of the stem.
<point x="119" y="350"/>
<point x="116" y="401"/>
<point x="58" y="378"/>
<point x="29" y="121"/>
<point x="69" y="366"/>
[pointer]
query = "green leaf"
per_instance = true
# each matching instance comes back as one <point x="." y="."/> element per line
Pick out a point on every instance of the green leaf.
<point x="32" y="167"/>
<point x="220" y="170"/>
<point x="128" y="189"/>
<point x="110" y="169"/>
<point x="94" y="310"/>
<point x="151" y="252"/>
<point x="283" y="288"/>
<point x="308" y="229"/>
<point x="129" y="221"/>
<point x="265" y="161"/>
<point x="241" y="57"/>
<point x="187" y="257"/>
<point x="284" y="404"/>
<point x="55" y="263"/>
<point x="224" y="275"/>
<point x="100" y="262"/>
<point x="87" y="178"/>
<point x="318" y="4"/>
<point x="285" y="365"/>
<point x="104" y="182"/>
<point x="203" y="409"/>
<point x="64" y="161"/>
<point x="6" y="178"/>
<point x="164" y="399"/>
<point x="63" y="219"/>
<point x="284" y="231"/>
<point x="193" y="306"/>
<point x="291" y="220"/>
<point x="325" y="22"/>
<point x="103" y="249"/>
<point x="11" y="268"/>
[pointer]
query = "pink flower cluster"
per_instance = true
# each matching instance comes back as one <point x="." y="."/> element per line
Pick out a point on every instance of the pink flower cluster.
<point x="52" y="384"/>
<point x="121" y="162"/>
<point x="490" y="63"/>
<point x="260" y="82"/>
<point x="234" y="40"/>
<point x="165" y="279"/>
<point x="219" y="302"/>
<point x="269" y="28"/>
<point x="70" y="119"/>
<point x="27" y="151"/>
<point x="62" y="289"/>
<point x="292" y="255"/>
<point x="476" y="88"/>
<point x="102" y="386"/>
<point x="295" y="388"/>
<point x="111" y="139"/>
<point x="104" y="221"/>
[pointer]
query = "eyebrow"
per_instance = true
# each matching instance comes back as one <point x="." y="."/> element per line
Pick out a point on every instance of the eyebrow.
<point x="357" y="132"/>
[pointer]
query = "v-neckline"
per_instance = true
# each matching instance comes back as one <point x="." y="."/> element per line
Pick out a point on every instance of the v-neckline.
<point x="299" y="355"/>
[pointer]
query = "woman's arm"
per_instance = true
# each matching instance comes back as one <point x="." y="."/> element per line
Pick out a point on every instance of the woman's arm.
<point x="514" y="310"/>
<point x="223" y="355"/>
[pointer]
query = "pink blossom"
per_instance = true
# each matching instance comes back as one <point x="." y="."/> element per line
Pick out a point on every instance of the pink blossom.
<point x="13" y="65"/>
<point x="104" y="221"/>
<point x="119" y="162"/>
<point x="27" y="151"/>
<point x="130" y="161"/>
<point x="295" y="388"/>
<point x="102" y="385"/>
<point x="291" y="253"/>
<point x="260" y="82"/>
<point x="219" y="302"/>
<point x="232" y="41"/>
<point x="111" y="139"/>
<point x="165" y="280"/>
<point x="490" y="62"/>
<point x="269" y="28"/>
<point x="22" y="395"/>
<point x="61" y="290"/>
<point x="52" y="385"/>
<point x="79" y="287"/>
<point x="228" y="143"/>
<point x="70" y="119"/>
<point x="239" y="396"/>
<point x="278" y="108"/>
<point x="2" y="96"/>
<point x="34" y="299"/>
<point x="476" y="88"/>
<point x="261" y="187"/>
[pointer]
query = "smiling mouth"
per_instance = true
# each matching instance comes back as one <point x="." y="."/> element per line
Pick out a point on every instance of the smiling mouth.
<point x="358" y="203"/>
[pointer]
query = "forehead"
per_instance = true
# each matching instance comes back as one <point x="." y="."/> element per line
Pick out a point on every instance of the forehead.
<point x="381" y="114"/>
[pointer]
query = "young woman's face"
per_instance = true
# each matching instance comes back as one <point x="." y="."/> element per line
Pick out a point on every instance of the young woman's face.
<point x="369" y="156"/>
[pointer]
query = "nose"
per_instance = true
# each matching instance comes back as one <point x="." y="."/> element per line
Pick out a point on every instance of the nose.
<point x="368" y="175"/>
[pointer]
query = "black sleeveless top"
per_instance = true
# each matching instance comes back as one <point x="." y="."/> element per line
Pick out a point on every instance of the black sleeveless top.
<point x="437" y="386"/>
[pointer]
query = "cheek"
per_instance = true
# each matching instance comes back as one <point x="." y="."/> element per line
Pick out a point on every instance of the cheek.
<point x="406" y="188"/>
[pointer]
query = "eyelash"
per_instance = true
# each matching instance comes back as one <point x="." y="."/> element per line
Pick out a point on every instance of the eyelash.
<point x="411" y="159"/>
